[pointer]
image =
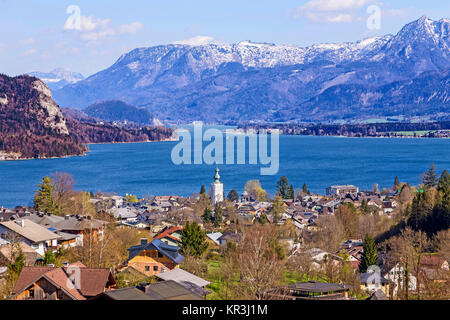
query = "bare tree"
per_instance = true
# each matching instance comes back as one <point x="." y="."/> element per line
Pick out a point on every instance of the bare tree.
<point x="260" y="267"/>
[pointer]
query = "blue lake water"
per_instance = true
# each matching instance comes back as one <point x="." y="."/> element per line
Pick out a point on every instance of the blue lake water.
<point x="147" y="169"/>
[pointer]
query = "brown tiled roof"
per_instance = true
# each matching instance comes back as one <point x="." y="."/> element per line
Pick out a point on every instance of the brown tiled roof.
<point x="431" y="261"/>
<point x="92" y="281"/>
<point x="168" y="232"/>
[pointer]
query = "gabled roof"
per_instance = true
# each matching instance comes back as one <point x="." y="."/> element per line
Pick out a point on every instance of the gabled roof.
<point x="92" y="281"/>
<point x="182" y="276"/>
<point x="214" y="236"/>
<point x="30" y="230"/>
<point x="127" y="294"/>
<point x="170" y="290"/>
<point x="168" y="232"/>
<point x="171" y="252"/>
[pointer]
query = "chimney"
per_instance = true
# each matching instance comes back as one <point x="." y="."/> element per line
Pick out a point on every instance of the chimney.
<point x="66" y="217"/>
<point x="144" y="241"/>
<point x="20" y="222"/>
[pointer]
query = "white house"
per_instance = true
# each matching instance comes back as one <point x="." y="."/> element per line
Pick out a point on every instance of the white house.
<point x="397" y="276"/>
<point x="36" y="236"/>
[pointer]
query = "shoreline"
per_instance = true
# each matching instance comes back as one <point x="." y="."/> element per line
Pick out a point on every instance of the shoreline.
<point x="86" y="153"/>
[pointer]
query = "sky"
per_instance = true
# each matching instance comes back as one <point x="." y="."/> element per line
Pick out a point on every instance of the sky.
<point x="89" y="36"/>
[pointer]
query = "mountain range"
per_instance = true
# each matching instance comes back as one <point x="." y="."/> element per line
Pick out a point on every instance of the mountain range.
<point x="58" y="78"/>
<point x="403" y="75"/>
<point x="33" y="126"/>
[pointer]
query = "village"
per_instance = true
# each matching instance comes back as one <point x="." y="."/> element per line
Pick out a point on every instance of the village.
<point x="347" y="244"/>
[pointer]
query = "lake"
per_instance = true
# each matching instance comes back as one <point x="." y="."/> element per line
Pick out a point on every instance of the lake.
<point x="147" y="169"/>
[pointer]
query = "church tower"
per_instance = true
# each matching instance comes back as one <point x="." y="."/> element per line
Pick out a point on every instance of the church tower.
<point x="216" y="189"/>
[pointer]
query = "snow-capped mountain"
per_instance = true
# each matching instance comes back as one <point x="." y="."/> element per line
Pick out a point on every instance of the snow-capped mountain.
<point x="259" y="81"/>
<point x="58" y="78"/>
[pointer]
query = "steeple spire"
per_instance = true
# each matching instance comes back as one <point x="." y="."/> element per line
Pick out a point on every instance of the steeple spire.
<point x="217" y="176"/>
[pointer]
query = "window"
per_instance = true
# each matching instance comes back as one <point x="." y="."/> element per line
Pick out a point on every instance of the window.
<point x="147" y="268"/>
<point x="155" y="268"/>
<point x="160" y="255"/>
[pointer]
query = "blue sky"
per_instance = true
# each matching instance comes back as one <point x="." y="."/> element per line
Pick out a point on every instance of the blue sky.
<point x="37" y="36"/>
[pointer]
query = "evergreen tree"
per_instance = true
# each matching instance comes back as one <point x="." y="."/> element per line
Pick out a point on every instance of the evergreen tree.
<point x="193" y="240"/>
<point x="16" y="267"/>
<point x="207" y="215"/>
<point x="203" y="190"/>
<point x="233" y="196"/>
<point x="305" y="188"/>
<point x="283" y="187"/>
<point x="430" y="178"/>
<point x="370" y="254"/>
<point x="277" y="209"/>
<point x="218" y="216"/>
<point x="43" y="199"/>
<point x="396" y="184"/>
<point x="49" y="257"/>
<point x="420" y="210"/>
<point x="444" y="182"/>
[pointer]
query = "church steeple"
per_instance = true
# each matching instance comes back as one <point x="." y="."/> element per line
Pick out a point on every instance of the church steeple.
<point x="217" y="176"/>
<point x="216" y="189"/>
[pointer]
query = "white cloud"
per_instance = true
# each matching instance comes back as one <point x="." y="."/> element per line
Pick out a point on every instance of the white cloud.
<point x="27" y="41"/>
<point x="331" y="11"/>
<point x="29" y="52"/>
<point x="196" y="41"/>
<point x="395" y="12"/>
<point x="330" y="18"/>
<point x="333" y="5"/>
<point x="131" y="28"/>
<point x="91" y="28"/>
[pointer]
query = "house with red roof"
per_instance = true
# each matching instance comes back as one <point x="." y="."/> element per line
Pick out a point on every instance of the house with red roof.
<point x="73" y="282"/>
<point x="170" y="236"/>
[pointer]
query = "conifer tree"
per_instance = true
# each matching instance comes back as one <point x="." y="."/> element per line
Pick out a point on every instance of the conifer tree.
<point x="193" y="240"/>
<point x="430" y="178"/>
<point x="218" y="216"/>
<point x="203" y="190"/>
<point x="233" y="196"/>
<point x="305" y="188"/>
<point x="283" y="187"/>
<point x="207" y="215"/>
<point x="370" y="254"/>
<point x="43" y="199"/>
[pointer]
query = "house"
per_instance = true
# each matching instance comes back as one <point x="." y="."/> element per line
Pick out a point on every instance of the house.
<point x="169" y="290"/>
<point x="187" y="280"/>
<point x="127" y="294"/>
<point x="312" y="290"/>
<point x="229" y="236"/>
<point x="124" y="213"/>
<point x="34" y="235"/>
<point x="396" y="275"/>
<point x="136" y="224"/>
<point x="433" y="267"/>
<point x="372" y="281"/>
<point x="170" y="236"/>
<point x="74" y="282"/>
<point x="7" y="254"/>
<point x="342" y="190"/>
<point x="153" y="258"/>
<point x="71" y="228"/>
<point x="214" y="237"/>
